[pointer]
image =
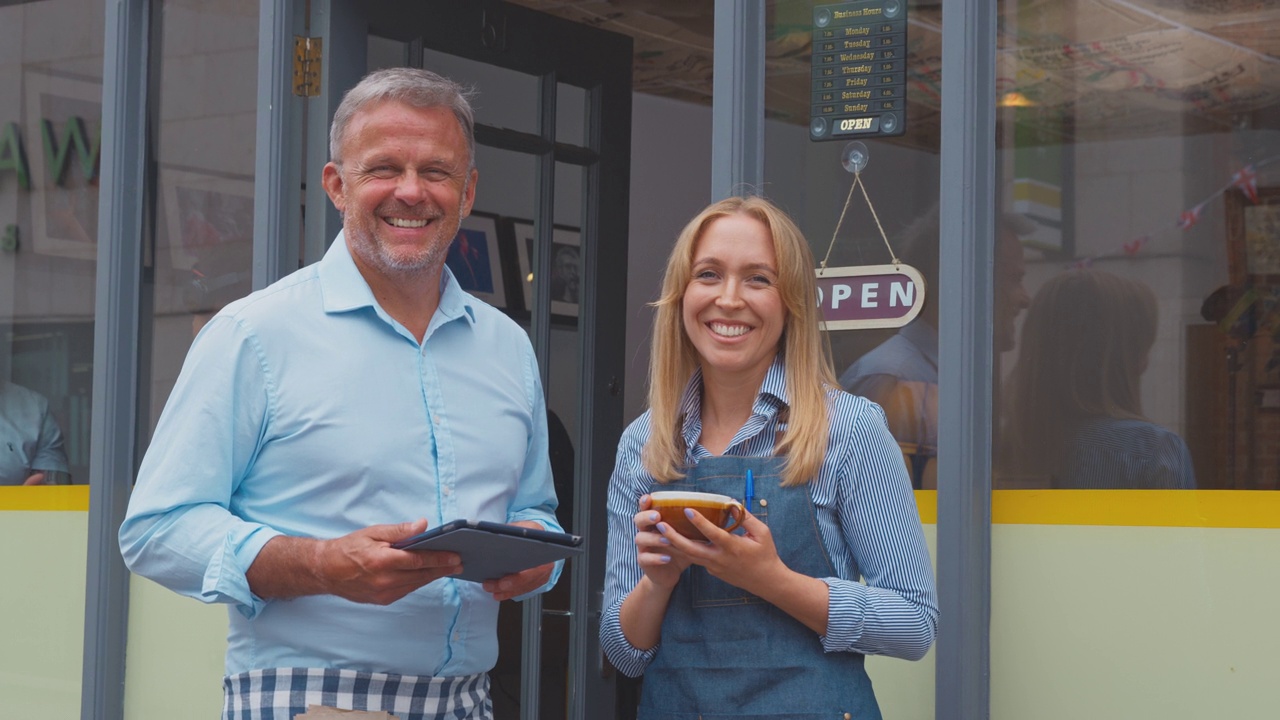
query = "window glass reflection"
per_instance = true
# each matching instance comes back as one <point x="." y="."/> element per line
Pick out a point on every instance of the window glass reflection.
<point x="1137" y="141"/>
<point x="207" y="105"/>
<point x="51" y="83"/>
<point x="32" y="449"/>
<point x="1075" y="413"/>
<point x="901" y="373"/>
<point x="50" y="151"/>
<point x="895" y="366"/>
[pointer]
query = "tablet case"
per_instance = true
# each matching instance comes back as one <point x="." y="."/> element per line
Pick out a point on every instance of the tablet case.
<point x="492" y="550"/>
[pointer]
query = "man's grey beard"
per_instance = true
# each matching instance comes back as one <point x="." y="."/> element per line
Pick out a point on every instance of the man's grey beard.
<point x="419" y="266"/>
<point x="426" y="264"/>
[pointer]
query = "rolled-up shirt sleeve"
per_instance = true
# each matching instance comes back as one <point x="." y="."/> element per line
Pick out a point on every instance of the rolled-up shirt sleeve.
<point x="895" y="612"/>
<point x="179" y="530"/>
<point x="622" y="569"/>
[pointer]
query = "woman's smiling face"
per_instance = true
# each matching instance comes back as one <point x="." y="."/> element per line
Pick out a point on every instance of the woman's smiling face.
<point x="732" y="310"/>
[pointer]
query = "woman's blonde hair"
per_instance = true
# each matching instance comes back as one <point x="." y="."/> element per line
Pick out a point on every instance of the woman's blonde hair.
<point x="806" y="353"/>
<point x="1083" y="350"/>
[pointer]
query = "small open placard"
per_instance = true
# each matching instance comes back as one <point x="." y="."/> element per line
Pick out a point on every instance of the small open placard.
<point x="858" y="297"/>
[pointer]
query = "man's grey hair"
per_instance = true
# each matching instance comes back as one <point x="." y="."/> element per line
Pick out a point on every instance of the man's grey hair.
<point x="413" y="86"/>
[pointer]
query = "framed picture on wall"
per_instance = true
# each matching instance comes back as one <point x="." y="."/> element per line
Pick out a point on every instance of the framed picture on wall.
<point x="208" y="219"/>
<point x="204" y="238"/>
<point x="1253" y="237"/>
<point x="566" y="267"/>
<point x="475" y="258"/>
<point x="64" y="116"/>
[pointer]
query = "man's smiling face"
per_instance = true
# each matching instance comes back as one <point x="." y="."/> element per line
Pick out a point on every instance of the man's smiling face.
<point x="403" y="184"/>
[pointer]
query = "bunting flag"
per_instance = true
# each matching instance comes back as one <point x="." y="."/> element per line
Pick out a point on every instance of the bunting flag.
<point x="1246" y="180"/>
<point x="1190" y="217"/>
<point x="1133" y="246"/>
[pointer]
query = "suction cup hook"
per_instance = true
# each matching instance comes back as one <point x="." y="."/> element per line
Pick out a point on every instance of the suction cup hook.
<point x="855" y="157"/>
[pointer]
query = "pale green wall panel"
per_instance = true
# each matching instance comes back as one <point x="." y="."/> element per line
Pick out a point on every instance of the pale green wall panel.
<point x="41" y="613"/>
<point x="174" y="661"/>
<point x="1115" y="623"/>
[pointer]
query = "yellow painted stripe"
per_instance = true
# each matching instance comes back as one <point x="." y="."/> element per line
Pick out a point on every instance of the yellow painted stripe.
<point x="1158" y="508"/>
<point x="1154" y="508"/>
<point x="1037" y="192"/>
<point x="927" y="504"/>
<point x="1133" y="508"/>
<point x="52" y="497"/>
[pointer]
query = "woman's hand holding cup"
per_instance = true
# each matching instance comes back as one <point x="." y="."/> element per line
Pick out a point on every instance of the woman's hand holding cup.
<point x="748" y="561"/>
<point x="653" y="549"/>
<point x="722" y="511"/>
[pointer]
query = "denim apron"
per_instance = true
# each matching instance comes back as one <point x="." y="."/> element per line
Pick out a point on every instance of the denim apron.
<point x="725" y="653"/>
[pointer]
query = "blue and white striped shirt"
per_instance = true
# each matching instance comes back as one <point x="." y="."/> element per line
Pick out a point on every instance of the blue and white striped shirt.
<point x="866" y="515"/>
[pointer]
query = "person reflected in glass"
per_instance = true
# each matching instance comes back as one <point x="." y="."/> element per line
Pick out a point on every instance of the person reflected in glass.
<point x="830" y="564"/>
<point x="1075" y="415"/>
<point x="564" y="274"/>
<point x="901" y="374"/>
<point x="31" y="447"/>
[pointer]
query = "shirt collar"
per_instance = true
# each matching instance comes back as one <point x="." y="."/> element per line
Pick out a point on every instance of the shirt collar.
<point x="345" y="289"/>
<point x="771" y="399"/>
<point x="775" y="383"/>
<point x="454" y="301"/>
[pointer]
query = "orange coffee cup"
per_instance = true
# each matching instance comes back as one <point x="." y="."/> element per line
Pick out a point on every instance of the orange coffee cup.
<point x="722" y="510"/>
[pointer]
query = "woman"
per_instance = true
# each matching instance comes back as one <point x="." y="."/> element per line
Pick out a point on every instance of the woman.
<point x="770" y="621"/>
<point x="1075" y="407"/>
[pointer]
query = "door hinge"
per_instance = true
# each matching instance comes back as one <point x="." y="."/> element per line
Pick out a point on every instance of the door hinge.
<point x="307" y="54"/>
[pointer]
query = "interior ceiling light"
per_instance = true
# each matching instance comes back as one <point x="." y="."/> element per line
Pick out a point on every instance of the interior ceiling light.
<point x="1016" y="99"/>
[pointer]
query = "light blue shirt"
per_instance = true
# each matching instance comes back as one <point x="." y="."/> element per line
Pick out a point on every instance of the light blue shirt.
<point x="901" y="375"/>
<point x="30" y="440"/>
<point x="304" y="409"/>
<point x="865" y="511"/>
<point x="910" y="355"/>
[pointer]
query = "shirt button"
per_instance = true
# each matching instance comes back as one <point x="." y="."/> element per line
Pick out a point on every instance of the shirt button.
<point x="435" y="419"/>
<point x="764" y="503"/>
<point x="446" y="490"/>
<point x="847" y="716"/>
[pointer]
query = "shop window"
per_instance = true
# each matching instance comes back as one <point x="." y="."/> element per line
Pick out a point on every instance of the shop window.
<point x="1134" y="139"/>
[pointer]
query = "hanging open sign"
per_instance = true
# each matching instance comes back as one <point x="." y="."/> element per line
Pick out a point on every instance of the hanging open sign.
<point x="869" y="296"/>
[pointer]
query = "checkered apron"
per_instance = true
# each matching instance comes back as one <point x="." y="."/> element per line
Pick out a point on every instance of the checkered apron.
<point x="281" y="693"/>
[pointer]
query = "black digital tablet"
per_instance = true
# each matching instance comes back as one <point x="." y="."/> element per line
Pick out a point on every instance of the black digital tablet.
<point x="492" y="550"/>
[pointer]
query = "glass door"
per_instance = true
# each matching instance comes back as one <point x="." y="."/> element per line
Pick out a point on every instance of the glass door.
<point x="553" y="128"/>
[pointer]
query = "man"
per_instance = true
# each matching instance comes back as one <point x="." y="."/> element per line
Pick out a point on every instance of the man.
<point x="31" y="451"/>
<point x="367" y="389"/>
<point x="901" y="374"/>
<point x="564" y="275"/>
